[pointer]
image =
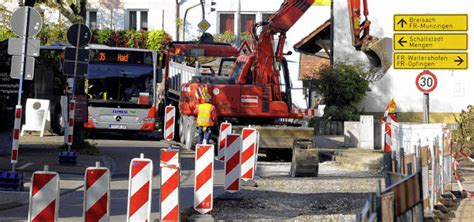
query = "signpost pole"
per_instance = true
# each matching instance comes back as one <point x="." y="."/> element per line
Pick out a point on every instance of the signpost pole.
<point x="426" y="108"/>
<point x="23" y="62"/>
<point x="73" y="92"/>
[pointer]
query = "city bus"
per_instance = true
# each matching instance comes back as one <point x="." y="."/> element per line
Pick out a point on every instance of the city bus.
<point x="121" y="89"/>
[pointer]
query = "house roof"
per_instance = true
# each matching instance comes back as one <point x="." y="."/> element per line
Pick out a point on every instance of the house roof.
<point x="316" y="40"/>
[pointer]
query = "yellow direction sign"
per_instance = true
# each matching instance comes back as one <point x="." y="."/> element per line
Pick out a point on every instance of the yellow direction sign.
<point x="430" y="60"/>
<point x="430" y="41"/>
<point x="322" y="2"/>
<point x="430" y="22"/>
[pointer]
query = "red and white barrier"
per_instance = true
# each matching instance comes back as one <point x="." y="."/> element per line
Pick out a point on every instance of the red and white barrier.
<point x="170" y="113"/>
<point x="70" y="129"/>
<point x="249" y="140"/>
<point x="139" y="189"/>
<point x="232" y="163"/>
<point x="44" y="196"/>
<point x="224" y="130"/>
<point x="256" y="151"/>
<point x="16" y="134"/>
<point x="169" y="192"/>
<point x="203" y="178"/>
<point x="388" y="140"/>
<point x="96" y="194"/>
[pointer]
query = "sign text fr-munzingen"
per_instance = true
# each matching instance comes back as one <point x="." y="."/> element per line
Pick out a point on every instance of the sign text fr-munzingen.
<point x="434" y="22"/>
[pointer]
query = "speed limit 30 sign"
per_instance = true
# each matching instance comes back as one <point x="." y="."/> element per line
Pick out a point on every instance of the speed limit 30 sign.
<point x="426" y="81"/>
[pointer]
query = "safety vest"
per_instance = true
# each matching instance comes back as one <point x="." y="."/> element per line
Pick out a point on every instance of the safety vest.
<point x="204" y="115"/>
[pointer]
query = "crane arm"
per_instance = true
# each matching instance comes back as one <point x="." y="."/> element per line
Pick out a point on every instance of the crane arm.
<point x="290" y="11"/>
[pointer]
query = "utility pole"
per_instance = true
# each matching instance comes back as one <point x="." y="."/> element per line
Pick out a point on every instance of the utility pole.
<point x="239" y="24"/>
<point x="331" y="56"/>
<point x="178" y="6"/>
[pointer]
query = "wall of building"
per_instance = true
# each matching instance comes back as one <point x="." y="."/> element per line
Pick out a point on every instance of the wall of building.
<point x="454" y="91"/>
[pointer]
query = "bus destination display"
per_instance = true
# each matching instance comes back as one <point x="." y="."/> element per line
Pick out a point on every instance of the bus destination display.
<point x="116" y="56"/>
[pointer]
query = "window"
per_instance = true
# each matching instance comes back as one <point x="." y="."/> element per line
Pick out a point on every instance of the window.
<point x="144" y="20"/>
<point x="248" y="20"/>
<point x="137" y="19"/>
<point x="132" y="20"/>
<point x="226" y="23"/>
<point x="93" y="20"/>
<point x="266" y="16"/>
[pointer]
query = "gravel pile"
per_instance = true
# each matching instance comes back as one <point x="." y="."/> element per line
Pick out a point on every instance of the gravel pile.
<point x="336" y="195"/>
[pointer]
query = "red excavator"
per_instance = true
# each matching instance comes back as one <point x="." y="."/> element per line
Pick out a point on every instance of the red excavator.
<point x="257" y="90"/>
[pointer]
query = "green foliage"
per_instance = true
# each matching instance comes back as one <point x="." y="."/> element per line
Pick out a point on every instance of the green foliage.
<point x="157" y="39"/>
<point x="53" y="33"/>
<point x="5" y="16"/>
<point x="229" y="37"/>
<point x="103" y="36"/>
<point x="343" y="88"/>
<point x="464" y="135"/>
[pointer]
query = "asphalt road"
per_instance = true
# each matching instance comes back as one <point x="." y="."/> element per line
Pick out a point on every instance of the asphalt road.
<point x="118" y="154"/>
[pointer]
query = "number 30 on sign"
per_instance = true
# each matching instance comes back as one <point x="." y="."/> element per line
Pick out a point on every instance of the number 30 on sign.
<point x="426" y="81"/>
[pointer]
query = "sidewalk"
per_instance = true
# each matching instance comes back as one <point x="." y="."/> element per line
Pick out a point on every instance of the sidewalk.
<point x="34" y="153"/>
<point x="465" y="210"/>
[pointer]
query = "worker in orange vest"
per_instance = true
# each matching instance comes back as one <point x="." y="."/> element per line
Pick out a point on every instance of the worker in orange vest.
<point x="206" y="118"/>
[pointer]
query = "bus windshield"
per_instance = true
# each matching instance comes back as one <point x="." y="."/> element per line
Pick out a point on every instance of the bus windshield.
<point x="129" y="85"/>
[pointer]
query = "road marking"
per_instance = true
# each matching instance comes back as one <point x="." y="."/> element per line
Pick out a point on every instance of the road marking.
<point x="22" y="167"/>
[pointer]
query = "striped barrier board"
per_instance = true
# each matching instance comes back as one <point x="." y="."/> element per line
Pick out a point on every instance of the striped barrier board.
<point x="44" y="196"/>
<point x="232" y="163"/>
<point x="169" y="192"/>
<point x="408" y="195"/>
<point x="249" y="140"/>
<point x="170" y="113"/>
<point x="388" y="133"/>
<point x="96" y="194"/>
<point x="257" y="144"/>
<point x="203" y="178"/>
<point x="139" y="189"/>
<point x="16" y="134"/>
<point x="70" y="128"/>
<point x="224" y="129"/>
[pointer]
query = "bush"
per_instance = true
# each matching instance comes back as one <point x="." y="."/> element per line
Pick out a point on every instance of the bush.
<point x="343" y="87"/>
<point x="157" y="39"/>
<point x="229" y="37"/>
<point x="464" y="134"/>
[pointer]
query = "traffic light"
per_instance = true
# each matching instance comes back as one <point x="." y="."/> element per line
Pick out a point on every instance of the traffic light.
<point x="213" y="6"/>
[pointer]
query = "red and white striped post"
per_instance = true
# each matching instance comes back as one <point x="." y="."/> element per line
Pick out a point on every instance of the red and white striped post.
<point x="96" y="194"/>
<point x="257" y="147"/>
<point x="224" y="130"/>
<point x="388" y="141"/>
<point x="16" y="135"/>
<point x="232" y="163"/>
<point x="70" y="128"/>
<point x="249" y="140"/>
<point x="44" y="196"/>
<point x="170" y="113"/>
<point x="139" y="189"/>
<point x="204" y="178"/>
<point x="169" y="192"/>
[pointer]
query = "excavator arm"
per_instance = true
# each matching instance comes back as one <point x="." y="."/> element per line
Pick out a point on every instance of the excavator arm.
<point x="267" y="57"/>
<point x="378" y="50"/>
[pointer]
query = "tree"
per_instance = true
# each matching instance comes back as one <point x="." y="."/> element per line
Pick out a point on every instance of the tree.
<point x="73" y="10"/>
<point x="343" y="87"/>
